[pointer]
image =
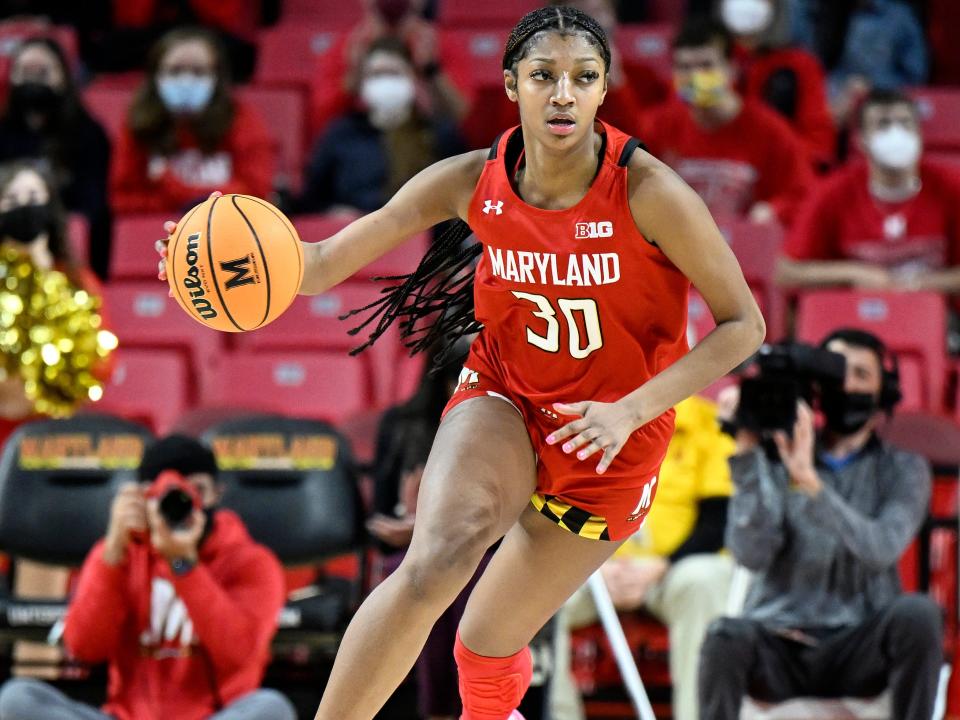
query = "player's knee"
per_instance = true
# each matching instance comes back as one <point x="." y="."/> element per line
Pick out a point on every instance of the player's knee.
<point x="916" y="623"/>
<point x="443" y="562"/>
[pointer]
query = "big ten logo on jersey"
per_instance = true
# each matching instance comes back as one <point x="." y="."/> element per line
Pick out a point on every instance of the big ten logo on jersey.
<point x="240" y="271"/>
<point x="602" y="229"/>
<point x="646" y="500"/>
<point x="170" y="624"/>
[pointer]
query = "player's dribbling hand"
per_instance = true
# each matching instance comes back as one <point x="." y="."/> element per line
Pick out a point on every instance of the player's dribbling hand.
<point x="602" y="427"/>
<point x="170" y="227"/>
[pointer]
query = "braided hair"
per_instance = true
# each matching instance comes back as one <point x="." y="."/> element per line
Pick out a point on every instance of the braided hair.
<point x="434" y="305"/>
<point x="562" y="19"/>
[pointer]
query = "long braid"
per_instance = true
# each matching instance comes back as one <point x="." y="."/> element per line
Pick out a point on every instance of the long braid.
<point x="433" y="305"/>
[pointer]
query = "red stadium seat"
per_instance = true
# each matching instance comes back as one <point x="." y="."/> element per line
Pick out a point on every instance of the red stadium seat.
<point x="649" y="44"/>
<point x="328" y="15"/>
<point x="940" y="117"/>
<point x="329" y="386"/>
<point x="757" y="247"/>
<point x="913" y="325"/>
<point x="109" y="106"/>
<point x="144" y="316"/>
<point x="473" y="58"/>
<point x="283" y="111"/>
<point x="399" y="261"/>
<point x="295" y="54"/>
<point x="147" y="385"/>
<point x="469" y="13"/>
<point x="132" y="256"/>
<point x="312" y="323"/>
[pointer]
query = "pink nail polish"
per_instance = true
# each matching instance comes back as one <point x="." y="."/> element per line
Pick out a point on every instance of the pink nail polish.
<point x="567" y="447"/>
<point x="581" y="455"/>
<point x="550" y="439"/>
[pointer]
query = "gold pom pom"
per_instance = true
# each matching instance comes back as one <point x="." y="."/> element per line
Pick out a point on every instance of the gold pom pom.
<point x="50" y="335"/>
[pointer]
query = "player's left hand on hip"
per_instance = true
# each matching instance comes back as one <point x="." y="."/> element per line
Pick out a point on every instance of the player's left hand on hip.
<point x="602" y="427"/>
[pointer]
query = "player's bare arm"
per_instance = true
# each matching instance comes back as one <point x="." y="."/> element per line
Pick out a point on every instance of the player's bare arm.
<point x="440" y="192"/>
<point x="670" y="214"/>
<point x="673" y="216"/>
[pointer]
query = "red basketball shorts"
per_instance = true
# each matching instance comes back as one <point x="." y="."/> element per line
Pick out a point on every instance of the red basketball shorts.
<point x="569" y="491"/>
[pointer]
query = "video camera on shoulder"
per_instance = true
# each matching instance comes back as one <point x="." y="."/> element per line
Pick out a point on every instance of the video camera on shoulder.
<point x="178" y="498"/>
<point x="786" y="372"/>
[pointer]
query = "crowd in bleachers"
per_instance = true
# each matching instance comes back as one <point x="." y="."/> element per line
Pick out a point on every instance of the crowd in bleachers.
<point x="823" y="135"/>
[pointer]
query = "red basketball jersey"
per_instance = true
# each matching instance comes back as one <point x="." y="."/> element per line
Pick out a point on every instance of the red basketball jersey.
<point x="576" y="304"/>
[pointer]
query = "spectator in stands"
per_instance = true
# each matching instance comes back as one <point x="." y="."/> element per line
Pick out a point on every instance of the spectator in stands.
<point x="864" y="44"/>
<point x="184" y="616"/>
<point x="632" y="86"/>
<point x="117" y="35"/>
<point x="673" y="566"/>
<point x="45" y="120"/>
<point x="740" y="156"/>
<point x="32" y="220"/>
<point x="402" y="20"/>
<point x="789" y="79"/>
<point x="366" y="155"/>
<point x="187" y="134"/>
<point x="891" y="221"/>
<point x="822" y="522"/>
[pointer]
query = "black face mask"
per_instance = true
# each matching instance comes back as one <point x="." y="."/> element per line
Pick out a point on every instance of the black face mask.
<point x="25" y="223"/>
<point x="847" y="413"/>
<point x="34" y="97"/>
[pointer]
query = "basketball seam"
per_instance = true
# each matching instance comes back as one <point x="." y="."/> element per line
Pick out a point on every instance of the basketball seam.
<point x="171" y="266"/>
<point x="285" y="222"/>
<point x="213" y="266"/>
<point x="263" y="257"/>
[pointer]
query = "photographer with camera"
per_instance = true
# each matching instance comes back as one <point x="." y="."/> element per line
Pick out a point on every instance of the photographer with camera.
<point x="822" y="520"/>
<point x="179" y="601"/>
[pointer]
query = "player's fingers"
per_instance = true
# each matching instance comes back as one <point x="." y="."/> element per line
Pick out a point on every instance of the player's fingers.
<point x="582" y="439"/>
<point x="608" y="455"/>
<point x="591" y="449"/>
<point x="162" y="270"/>
<point x="571" y="428"/>
<point x="170" y="227"/>
<point x="577" y="408"/>
<point x="215" y="194"/>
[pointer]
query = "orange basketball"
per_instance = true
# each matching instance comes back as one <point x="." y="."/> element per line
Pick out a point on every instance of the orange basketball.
<point x="234" y="263"/>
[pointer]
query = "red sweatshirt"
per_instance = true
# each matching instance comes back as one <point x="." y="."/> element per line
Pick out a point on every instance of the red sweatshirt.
<point x="812" y="120"/>
<point x="245" y="163"/>
<point x="754" y="157"/>
<point x="842" y="221"/>
<point x="170" y="640"/>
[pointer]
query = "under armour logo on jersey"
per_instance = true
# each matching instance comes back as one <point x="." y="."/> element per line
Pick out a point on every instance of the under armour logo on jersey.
<point x="602" y="229"/>
<point x="489" y="207"/>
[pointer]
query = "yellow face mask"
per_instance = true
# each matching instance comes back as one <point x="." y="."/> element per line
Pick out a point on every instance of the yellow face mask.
<point x="703" y="88"/>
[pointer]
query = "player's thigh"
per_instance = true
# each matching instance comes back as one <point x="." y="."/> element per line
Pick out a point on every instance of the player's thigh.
<point x="478" y="478"/>
<point x="537" y="567"/>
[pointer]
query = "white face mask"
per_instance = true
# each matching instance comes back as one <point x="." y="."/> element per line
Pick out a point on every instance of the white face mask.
<point x="746" y="17"/>
<point x="895" y="147"/>
<point x="390" y="99"/>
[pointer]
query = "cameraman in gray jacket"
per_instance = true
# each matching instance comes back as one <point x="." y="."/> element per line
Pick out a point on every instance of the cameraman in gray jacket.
<point x="823" y="527"/>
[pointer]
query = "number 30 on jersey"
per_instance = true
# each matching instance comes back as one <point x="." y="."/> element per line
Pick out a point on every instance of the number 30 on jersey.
<point x="551" y="341"/>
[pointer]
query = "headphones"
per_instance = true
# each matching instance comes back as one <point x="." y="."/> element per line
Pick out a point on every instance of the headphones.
<point x="890" y="392"/>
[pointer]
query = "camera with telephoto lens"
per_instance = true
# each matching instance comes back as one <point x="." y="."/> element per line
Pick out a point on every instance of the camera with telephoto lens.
<point x="178" y="498"/>
<point x="786" y="372"/>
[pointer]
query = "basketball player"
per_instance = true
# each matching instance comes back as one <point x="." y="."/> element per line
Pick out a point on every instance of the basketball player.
<point x="587" y="248"/>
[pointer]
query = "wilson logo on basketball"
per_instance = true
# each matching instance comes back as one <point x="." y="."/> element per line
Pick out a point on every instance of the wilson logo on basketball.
<point x="194" y="284"/>
<point x="240" y="270"/>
